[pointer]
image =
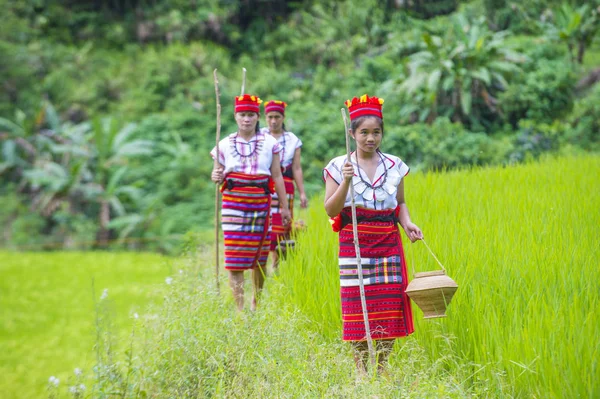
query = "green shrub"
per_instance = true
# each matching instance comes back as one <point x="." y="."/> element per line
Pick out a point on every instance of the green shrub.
<point x="442" y="145"/>
<point x="585" y="121"/>
<point x="535" y="138"/>
<point x="543" y="94"/>
<point x="26" y="231"/>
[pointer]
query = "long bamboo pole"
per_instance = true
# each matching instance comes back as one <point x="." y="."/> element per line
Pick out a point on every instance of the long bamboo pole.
<point x="217" y="194"/>
<point x="361" y="283"/>
<point x="243" y="81"/>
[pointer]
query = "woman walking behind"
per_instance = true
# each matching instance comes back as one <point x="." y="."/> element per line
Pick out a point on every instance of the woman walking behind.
<point x="248" y="168"/>
<point x="378" y="180"/>
<point x="291" y="169"/>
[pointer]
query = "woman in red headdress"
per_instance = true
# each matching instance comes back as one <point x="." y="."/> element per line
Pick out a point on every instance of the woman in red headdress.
<point x="378" y="180"/>
<point x="249" y="169"/>
<point x="292" y="172"/>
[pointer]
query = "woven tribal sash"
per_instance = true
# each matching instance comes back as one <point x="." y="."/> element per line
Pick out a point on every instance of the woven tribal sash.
<point x="245" y="220"/>
<point x="382" y="257"/>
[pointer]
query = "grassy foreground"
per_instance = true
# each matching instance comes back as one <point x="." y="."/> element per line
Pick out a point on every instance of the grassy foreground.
<point x="522" y="243"/>
<point x="48" y="326"/>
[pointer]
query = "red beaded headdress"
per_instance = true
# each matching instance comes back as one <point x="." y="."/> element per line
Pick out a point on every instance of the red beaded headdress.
<point x="365" y="105"/>
<point x="247" y="103"/>
<point x="275" y="105"/>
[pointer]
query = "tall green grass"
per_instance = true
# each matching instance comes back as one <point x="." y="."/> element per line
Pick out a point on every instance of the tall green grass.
<point x="48" y="324"/>
<point x="196" y="345"/>
<point x="523" y="244"/>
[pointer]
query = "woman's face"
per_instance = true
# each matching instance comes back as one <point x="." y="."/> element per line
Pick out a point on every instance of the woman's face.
<point x="275" y="121"/>
<point x="368" y="135"/>
<point x="246" y="121"/>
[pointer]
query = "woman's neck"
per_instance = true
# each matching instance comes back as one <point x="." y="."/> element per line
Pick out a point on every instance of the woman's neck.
<point x="246" y="135"/>
<point x="276" y="134"/>
<point x="366" y="156"/>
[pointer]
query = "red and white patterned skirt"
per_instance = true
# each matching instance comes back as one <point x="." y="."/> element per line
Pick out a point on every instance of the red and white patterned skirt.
<point x="384" y="275"/>
<point x="245" y="220"/>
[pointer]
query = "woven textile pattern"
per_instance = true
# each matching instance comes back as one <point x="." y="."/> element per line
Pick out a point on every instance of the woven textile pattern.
<point x="384" y="276"/>
<point x="245" y="221"/>
<point x="279" y="231"/>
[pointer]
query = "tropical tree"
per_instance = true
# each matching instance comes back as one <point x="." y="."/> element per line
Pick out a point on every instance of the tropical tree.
<point x="576" y="27"/>
<point x="114" y="145"/>
<point x="17" y="150"/>
<point x="47" y="158"/>
<point x="458" y="75"/>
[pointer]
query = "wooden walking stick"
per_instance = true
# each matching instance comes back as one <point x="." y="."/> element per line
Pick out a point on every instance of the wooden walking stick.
<point x="243" y="81"/>
<point x="361" y="284"/>
<point x="217" y="197"/>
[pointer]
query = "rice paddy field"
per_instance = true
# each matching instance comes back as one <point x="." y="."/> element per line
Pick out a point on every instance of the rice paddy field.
<point x="522" y="242"/>
<point x="48" y="325"/>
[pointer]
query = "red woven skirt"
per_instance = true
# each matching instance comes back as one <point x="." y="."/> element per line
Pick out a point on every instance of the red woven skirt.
<point x="279" y="231"/>
<point x="245" y="220"/>
<point x="384" y="275"/>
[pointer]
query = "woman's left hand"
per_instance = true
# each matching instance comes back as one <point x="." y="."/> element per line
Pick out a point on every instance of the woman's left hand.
<point x="286" y="216"/>
<point x="413" y="232"/>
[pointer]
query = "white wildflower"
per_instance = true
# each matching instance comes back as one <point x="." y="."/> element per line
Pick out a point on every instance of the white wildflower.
<point x="53" y="381"/>
<point x="104" y="294"/>
<point x="73" y="389"/>
<point x="77" y="371"/>
<point x="180" y="271"/>
<point x="136" y="316"/>
<point x="81" y="387"/>
<point x="169" y="280"/>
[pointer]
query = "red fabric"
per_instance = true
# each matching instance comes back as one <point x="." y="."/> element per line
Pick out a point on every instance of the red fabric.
<point x="275" y="105"/>
<point x="388" y="309"/>
<point x="388" y="306"/>
<point x="336" y="223"/>
<point x="376" y="239"/>
<point x="248" y="180"/>
<point x="364" y="106"/>
<point x="279" y="231"/>
<point x="247" y="103"/>
<point x="249" y="248"/>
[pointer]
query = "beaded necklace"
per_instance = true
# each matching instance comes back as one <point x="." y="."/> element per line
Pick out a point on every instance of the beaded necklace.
<point x="282" y="147"/>
<point x="256" y="148"/>
<point x="369" y="185"/>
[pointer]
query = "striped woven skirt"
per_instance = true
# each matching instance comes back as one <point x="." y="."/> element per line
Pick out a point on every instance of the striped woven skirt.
<point x="384" y="276"/>
<point x="245" y="220"/>
<point x="279" y="231"/>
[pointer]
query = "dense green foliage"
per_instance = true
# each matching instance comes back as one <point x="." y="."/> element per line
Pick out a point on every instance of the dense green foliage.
<point x="107" y="109"/>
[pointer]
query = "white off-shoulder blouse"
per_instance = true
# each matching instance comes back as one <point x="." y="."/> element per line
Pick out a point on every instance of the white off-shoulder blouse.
<point x="253" y="157"/>
<point x="377" y="194"/>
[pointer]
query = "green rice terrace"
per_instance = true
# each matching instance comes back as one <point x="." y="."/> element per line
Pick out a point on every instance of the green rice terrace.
<point x="520" y="241"/>
<point x="108" y="113"/>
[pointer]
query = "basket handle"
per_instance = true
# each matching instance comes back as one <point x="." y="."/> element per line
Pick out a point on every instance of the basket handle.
<point x="432" y="254"/>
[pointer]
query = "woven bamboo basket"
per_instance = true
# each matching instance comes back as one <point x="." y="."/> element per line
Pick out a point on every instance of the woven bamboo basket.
<point x="432" y="291"/>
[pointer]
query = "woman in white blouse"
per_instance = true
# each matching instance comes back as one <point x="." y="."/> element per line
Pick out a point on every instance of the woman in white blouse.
<point x="249" y="170"/>
<point x="291" y="169"/>
<point x="378" y="181"/>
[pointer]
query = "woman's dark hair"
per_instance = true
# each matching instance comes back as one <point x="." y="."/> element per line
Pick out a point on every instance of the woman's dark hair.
<point x="283" y="126"/>
<point x="358" y="121"/>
